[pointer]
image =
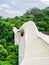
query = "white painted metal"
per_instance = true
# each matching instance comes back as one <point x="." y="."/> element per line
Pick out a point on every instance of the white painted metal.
<point x="33" y="45"/>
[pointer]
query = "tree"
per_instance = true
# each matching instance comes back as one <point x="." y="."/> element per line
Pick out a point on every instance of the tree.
<point x="5" y="63"/>
<point x="32" y="11"/>
<point x="3" y="53"/>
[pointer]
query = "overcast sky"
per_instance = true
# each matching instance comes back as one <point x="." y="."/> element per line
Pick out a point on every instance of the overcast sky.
<point x="11" y="8"/>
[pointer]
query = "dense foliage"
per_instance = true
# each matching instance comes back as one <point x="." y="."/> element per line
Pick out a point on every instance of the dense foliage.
<point x="9" y="51"/>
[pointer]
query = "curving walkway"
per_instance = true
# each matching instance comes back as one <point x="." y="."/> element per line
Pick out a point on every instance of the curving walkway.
<point x="33" y="45"/>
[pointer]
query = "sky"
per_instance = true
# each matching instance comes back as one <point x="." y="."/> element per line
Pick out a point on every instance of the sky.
<point x="12" y="8"/>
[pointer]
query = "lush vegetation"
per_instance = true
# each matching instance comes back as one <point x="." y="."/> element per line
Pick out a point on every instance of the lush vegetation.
<point x="9" y="51"/>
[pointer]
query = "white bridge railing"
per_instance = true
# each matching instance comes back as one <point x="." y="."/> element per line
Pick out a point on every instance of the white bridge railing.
<point x="33" y="49"/>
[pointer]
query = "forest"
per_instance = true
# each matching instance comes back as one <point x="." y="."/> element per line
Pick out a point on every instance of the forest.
<point x="9" y="52"/>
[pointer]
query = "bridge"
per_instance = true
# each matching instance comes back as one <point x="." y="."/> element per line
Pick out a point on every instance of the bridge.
<point x="33" y="45"/>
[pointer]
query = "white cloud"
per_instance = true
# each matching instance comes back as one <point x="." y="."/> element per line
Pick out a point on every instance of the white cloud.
<point x="4" y="6"/>
<point x="12" y="2"/>
<point x="29" y="5"/>
<point x="45" y="1"/>
<point x="13" y="12"/>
